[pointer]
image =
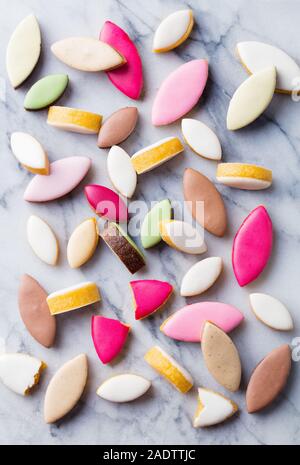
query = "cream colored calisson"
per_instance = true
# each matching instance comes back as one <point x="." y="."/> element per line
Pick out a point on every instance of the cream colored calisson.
<point x="251" y="98"/>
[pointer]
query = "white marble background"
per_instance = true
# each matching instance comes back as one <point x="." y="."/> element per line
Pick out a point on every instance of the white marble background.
<point x="163" y="416"/>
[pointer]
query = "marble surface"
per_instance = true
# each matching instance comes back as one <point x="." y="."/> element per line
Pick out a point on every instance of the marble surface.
<point x="163" y="416"/>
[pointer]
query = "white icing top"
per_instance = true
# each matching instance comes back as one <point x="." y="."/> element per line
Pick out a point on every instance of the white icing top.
<point x="27" y="150"/>
<point x="251" y="99"/>
<point x="172" y="29"/>
<point x="184" y="372"/>
<point x="216" y="409"/>
<point x="201" y="276"/>
<point x="23" y="50"/>
<point x="42" y="240"/>
<point x="185" y="237"/>
<point x="271" y="311"/>
<point x="123" y="388"/>
<point x="201" y="139"/>
<point x="17" y="371"/>
<point x="121" y="172"/>
<point x="70" y="289"/>
<point x="258" y="55"/>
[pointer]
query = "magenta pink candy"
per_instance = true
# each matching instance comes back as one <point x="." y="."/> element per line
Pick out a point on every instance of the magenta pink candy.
<point x="65" y="175"/>
<point x="179" y="92"/>
<point x="129" y="77"/>
<point x="106" y="202"/>
<point x="149" y="296"/>
<point x="252" y="246"/>
<point x="187" y="323"/>
<point x="108" y="336"/>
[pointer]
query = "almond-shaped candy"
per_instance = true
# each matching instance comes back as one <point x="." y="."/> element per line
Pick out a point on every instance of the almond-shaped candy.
<point x="29" y="152"/>
<point x="205" y="202"/>
<point x="123" y="388"/>
<point x="65" y="175"/>
<point x="201" y="139"/>
<point x="251" y="99"/>
<point x="256" y="56"/>
<point x="271" y="311"/>
<point x="108" y="336"/>
<point x="213" y="408"/>
<point x="87" y="54"/>
<point x="149" y="296"/>
<point x="187" y="323"/>
<point x="173" y="31"/>
<point x="42" y="240"/>
<point x="182" y="236"/>
<point x="23" y="50"/>
<point x="252" y="246"/>
<point x="82" y="243"/>
<point x="106" y="202"/>
<point x="123" y="247"/>
<point x="45" y="91"/>
<point x="201" y="276"/>
<point x="150" y="229"/>
<point x="121" y="171"/>
<point x="268" y="379"/>
<point x="35" y="312"/>
<point x="179" y="92"/>
<point x="20" y="372"/>
<point x="117" y="127"/>
<point x="65" y="388"/>
<point x="221" y="357"/>
<point x="129" y="77"/>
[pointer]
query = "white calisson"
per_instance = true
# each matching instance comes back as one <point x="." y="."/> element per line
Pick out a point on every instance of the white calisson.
<point x="255" y="56"/>
<point x="23" y="50"/>
<point x="182" y="236"/>
<point x="213" y="408"/>
<point x="20" y="372"/>
<point x="123" y="388"/>
<point x="42" y="240"/>
<point x="201" y="276"/>
<point x="173" y="31"/>
<point x="271" y="311"/>
<point x="251" y="98"/>
<point x="121" y="171"/>
<point x="201" y="139"/>
<point x="29" y="152"/>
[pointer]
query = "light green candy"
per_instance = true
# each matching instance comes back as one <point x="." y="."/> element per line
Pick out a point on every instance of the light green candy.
<point x="150" y="234"/>
<point x="46" y="91"/>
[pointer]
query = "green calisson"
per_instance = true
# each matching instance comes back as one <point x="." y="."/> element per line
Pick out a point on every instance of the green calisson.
<point x="150" y="234"/>
<point x="46" y="91"/>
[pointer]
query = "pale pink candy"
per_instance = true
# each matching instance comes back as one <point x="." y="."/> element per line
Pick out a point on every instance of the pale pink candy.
<point x="105" y="202"/>
<point x="108" y="336"/>
<point x="186" y="324"/>
<point x="65" y="175"/>
<point x="180" y="92"/>
<point x="129" y="77"/>
<point x="252" y="246"/>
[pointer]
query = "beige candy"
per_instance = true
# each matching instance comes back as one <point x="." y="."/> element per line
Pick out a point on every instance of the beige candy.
<point x="87" y="54"/>
<point x="221" y="357"/>
<point x="82" y="243"/>
<point x="65" y="388"/>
